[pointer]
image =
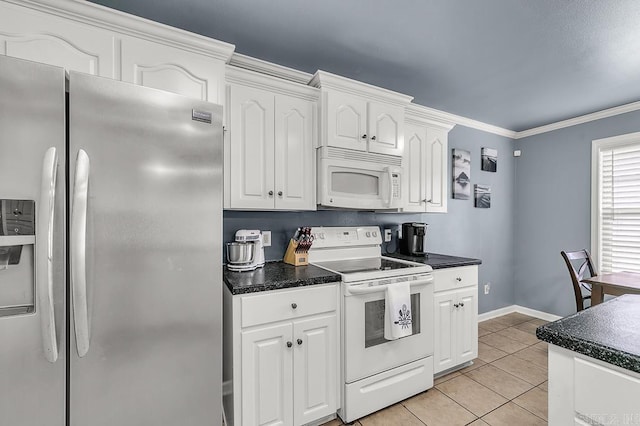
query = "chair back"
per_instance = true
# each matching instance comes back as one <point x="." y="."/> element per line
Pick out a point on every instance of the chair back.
<point x="583" y="259"/>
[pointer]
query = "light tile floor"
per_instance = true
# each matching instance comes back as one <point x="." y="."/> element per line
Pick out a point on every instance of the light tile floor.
<point x="506" y="385"/>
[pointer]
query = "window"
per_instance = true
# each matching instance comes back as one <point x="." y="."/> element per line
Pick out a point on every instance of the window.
<point x="615" y="198"/>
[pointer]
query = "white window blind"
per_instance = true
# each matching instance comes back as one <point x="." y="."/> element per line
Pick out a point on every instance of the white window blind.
<point x="619" y="207"/>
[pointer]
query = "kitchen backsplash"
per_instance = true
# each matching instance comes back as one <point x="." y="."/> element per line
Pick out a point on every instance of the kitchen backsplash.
<point x="284" y="224"/>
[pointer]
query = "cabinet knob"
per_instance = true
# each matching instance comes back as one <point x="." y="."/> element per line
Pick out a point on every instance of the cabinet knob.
<point x="458" y="279"/>
<point x="364" y="136"/>
<point x="294" y="305"/>
<point x="270" y="193"/>
<point x="279" y="193"/>
<point x="455" y="305"/>
<point x="289" y="344"/>
<point x="299" y="341"/>
<point x="461" y="304"/>
<point x="373" y="138"/>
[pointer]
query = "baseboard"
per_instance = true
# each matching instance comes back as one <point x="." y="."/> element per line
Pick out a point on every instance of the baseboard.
<point x="538" y="314"/>
<point x="517" y="308"/>
<point x="496" y="313"/>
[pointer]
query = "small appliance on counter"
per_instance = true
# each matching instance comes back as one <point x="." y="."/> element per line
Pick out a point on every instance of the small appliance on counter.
<point x="246" y="253"/>
<point x="414" y="239"/>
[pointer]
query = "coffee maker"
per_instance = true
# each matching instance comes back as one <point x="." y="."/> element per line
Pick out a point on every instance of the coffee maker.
<point x="414" y="239"/>
<point x="247" y="252"/>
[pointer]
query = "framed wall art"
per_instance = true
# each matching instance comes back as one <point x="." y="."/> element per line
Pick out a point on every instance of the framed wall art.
<point x="461" y="174"/>
<point x="489" y="158"/>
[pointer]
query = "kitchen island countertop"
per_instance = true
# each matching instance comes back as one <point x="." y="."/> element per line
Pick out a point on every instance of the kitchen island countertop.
<point x="276" y="276"/>
<point x="609" y="332"/>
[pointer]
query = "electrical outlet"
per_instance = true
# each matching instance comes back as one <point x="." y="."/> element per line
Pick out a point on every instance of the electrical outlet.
<point x="266" y="238"/>
<point x="387" y="235"/>
<point x="487" y="287"/>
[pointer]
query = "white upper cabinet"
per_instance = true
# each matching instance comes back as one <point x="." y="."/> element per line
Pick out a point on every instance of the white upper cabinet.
<point x="163" y="67"/>
<point x="252" y="149"/>
<point x="425" y="163"/>
<point x="386" y="124"/>
<point x="270" y="163"/>
<point x="294" y="148"/>
<point x="360" y="117"/>
<point x="81" y="36"/>
<point x="53" y="40"/>
<point x="347" y="122"/>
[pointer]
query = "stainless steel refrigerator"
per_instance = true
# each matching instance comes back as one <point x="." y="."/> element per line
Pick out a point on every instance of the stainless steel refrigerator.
<point x="110" y="252"/>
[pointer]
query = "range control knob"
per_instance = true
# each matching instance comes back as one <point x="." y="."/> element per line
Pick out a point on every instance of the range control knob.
<point x="368" y="234"/>
<point x="375" y="234"/>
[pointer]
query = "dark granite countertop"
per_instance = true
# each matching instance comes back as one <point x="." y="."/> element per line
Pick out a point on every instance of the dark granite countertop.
<point x="609" y="332"/>
<point x="276" y="276"/>
<point x="438" y="261"/>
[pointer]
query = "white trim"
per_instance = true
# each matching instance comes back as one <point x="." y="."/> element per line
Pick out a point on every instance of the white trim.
<point x="325" y="80"/>
<point x="99" y="16"/>
<point x="520" y="309"/>
<point x="605" y="113"/>
<point x="268" y="68"/>
<point x="244" y="77"/>
<point x="454" y="119"/>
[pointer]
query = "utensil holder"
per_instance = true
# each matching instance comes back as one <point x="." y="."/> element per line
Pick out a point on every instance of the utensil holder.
<point x="292" y="257"/>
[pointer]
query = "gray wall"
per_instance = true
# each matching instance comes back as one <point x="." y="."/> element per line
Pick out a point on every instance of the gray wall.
<point x="486" y="234"/>
<point x="553" y="209"/>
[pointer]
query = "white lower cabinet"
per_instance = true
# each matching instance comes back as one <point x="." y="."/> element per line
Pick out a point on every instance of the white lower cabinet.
<point x="288" y="370"/>
<point x="455" y="317"/>
<point x="587" y="391"/>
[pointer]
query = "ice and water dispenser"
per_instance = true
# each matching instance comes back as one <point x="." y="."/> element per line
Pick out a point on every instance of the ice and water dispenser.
<point x="17" y="248"/>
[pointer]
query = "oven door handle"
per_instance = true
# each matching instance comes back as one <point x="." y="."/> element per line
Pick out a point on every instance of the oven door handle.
<point x="379" y="288"/>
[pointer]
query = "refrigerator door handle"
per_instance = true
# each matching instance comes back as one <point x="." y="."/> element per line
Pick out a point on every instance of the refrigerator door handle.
<point x="78" y="252"/>
<point x="44" y="254"/>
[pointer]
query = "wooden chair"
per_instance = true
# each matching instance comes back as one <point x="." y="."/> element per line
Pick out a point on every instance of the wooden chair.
<point x="583" y="258"/>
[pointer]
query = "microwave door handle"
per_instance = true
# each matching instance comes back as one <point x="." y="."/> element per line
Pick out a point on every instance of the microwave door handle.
<point x="44" y="254"/>
<point x="379" y="288"/>
<point x="389" y="177"/>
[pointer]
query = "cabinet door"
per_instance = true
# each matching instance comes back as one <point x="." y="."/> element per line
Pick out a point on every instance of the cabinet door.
<point x="294" y="165"/>
<point x="444" y="351"/>
<point x="346" y="121"/>
<point x="436" y="170"/>
<point x="315" y="368"/>
<point x="174" y="70"/>
<point x="386" y="129"/>
<point x="467" y="324"/>
<point x="415" y="168"/>
<point x="252" y="148"/>
<point x="267" y="387"/>
<point x="45" y="38"/>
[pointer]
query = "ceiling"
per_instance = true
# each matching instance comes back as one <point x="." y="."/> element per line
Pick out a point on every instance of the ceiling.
<point x="516" y="64"/>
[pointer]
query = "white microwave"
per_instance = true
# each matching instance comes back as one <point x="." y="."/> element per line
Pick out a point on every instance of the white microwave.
<point x="363" y="181"/>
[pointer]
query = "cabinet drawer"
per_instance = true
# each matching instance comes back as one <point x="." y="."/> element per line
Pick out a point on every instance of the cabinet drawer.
<point x="287" y="304"/>
<point x="604" y="394"/>
<point x="452" y="278"/>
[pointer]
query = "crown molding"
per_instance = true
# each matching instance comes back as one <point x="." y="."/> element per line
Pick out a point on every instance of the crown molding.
<point x="263" y="67"/>
<point x="99" y="16"/>
<point x="325" y="80"/>
<point x="599" y="115"/>
<point x="421" y="113"/>
<point x="244" y="77"/>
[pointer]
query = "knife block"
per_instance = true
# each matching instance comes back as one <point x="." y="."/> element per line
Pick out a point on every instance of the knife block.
<point x="294" y="258"/>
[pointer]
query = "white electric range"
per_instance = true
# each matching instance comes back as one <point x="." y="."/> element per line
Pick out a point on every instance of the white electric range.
<point x="376" y="372"/>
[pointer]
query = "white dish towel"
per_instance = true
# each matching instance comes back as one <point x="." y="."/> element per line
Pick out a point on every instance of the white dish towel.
<point x="397" y="311"/>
